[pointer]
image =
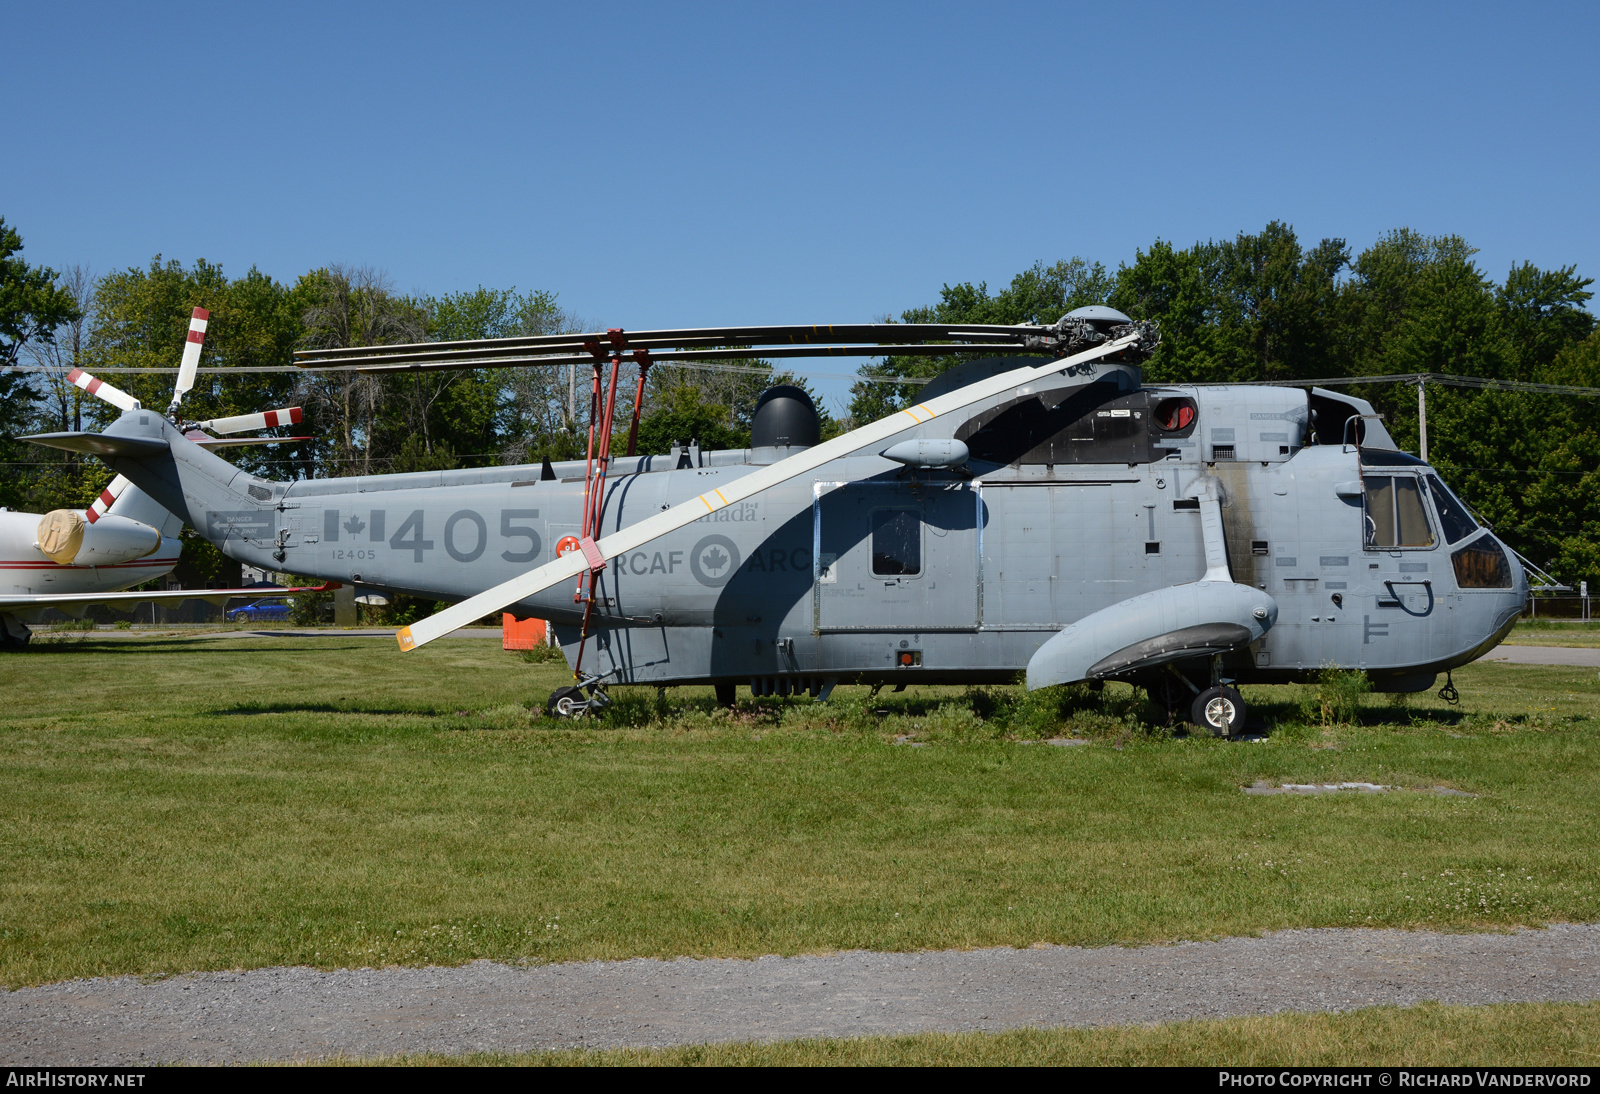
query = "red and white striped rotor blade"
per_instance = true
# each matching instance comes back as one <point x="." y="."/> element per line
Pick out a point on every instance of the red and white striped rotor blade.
<point x="265" y="420"/>
<point x="100" y="389"/>
<point x="191" y="357"/>
<point x="107" y="496"/>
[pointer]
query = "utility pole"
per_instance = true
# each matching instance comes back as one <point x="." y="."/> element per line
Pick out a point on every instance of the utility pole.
<point x="1422" y="415"/>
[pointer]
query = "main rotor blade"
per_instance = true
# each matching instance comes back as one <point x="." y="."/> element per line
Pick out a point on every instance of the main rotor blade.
<point x="667" y="357"/>
<point x="880" y="337"/>
<point x="635" y="536"/>
<point x="691" y="336"/>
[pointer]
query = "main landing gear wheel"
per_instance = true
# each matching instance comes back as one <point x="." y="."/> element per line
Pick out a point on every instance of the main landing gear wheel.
<point x="726" y="694"/>
<point x="566" y="703"/>
<point x="1220" y="710"/>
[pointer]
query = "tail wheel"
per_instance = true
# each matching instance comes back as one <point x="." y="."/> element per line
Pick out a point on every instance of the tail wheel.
<point x="1220" y="710"/>
<point x="566" y="702"/>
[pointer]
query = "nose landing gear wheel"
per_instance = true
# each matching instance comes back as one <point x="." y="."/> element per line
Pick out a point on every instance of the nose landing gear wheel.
<point x="566" y="703"/>
<point x="1219" y="710"/>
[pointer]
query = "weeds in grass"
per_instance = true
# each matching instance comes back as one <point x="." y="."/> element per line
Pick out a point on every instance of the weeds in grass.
<point x="945" y="715"/>
<point x="1339" y="696"/>
<point x="543" y="655"/>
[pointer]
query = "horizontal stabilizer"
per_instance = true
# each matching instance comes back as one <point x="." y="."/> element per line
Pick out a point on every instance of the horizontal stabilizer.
<point x="99" y="444"/>
<point x="1178" y="623"/>
<point x="235" y="442"/>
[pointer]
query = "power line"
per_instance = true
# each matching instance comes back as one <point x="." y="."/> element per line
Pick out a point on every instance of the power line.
<point x="1445" y="378"/>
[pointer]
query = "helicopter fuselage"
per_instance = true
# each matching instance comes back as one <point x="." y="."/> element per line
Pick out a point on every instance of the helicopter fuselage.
<point x="878" y="571"/>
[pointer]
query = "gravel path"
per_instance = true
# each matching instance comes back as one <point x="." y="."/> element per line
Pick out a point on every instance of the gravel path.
<point x="297" y="1013"/>
<point x="1546" y="655"/>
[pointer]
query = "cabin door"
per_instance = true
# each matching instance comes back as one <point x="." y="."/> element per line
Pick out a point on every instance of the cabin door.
<point x="896" y="556"/>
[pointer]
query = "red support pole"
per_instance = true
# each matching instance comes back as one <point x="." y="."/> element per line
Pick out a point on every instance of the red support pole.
<point x="605" y="446"/>
<point x="588" y="463"/>
<point x="594" y="477"/>
<point x="643" y="358"/>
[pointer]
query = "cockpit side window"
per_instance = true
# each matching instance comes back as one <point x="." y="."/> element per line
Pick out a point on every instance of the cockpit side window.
<point x="1455" y="520"/>
<point x="1395" y="514"/>
<point x="1378" y="493"/>
<point x="1411" y="513"/>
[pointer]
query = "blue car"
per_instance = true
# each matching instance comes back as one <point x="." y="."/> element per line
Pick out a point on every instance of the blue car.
<point x="256" y="611"/>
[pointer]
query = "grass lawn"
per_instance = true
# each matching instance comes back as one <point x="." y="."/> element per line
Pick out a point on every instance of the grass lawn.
<point x="178" y="804"/>
<point x="1554" y="632"/>
<point x="1513" y="1035"/>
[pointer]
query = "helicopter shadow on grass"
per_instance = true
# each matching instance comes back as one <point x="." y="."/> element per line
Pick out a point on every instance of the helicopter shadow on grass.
<point x="126" y="647"/>
<point x="245" y="710"/>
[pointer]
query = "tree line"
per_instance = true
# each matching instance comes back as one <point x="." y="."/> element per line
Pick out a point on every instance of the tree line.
<point x="1264" y="307"/>
<point x="1259" y="307"/>
<point x="355" y="424"/>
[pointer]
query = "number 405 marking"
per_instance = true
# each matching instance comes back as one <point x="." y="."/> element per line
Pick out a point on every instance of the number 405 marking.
<point x="468" y="546"/>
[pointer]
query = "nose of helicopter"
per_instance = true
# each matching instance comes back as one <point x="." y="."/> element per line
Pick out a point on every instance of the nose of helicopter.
<point x="1509" y="603"/>
<point x="1517" y="595"/>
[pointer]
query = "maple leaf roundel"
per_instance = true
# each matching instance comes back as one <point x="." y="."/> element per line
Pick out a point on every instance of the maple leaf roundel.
<point x="714" y="560"/>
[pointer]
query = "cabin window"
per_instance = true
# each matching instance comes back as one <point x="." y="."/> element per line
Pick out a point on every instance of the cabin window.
<point x="1482" y="565"/>
<point x="1395" y="514"/>
<point x="1455" y="520"/>
<point x="896" y="542"/>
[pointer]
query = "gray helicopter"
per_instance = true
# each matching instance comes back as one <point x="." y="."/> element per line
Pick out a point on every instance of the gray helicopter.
<point x="1040" y="510"/>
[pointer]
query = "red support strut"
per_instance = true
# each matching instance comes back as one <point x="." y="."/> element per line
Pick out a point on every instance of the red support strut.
<point x="642" y="358"/>
<point x="594" y="479"/>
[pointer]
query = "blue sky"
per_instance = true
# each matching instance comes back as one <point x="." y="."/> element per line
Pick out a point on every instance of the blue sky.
<point x="692" y="164"/>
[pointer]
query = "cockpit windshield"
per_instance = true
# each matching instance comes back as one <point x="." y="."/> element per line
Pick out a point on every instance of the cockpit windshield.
<point x="1455" y="519"/>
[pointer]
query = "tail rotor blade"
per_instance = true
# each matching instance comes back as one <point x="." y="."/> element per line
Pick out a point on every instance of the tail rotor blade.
<point x="107" y="496"/>
<point x="265" y="420"/>
<point x="191" y="358"/>
<point x="102" y="390"/>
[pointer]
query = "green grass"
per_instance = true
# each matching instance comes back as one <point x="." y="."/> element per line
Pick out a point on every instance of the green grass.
<point x="1554" y="632"/>
<point x="180" y="804"/>
<point x="1507" y="1035"/>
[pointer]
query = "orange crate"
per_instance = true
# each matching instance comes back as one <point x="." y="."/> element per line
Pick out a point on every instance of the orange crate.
<point x="521" y="634"/>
